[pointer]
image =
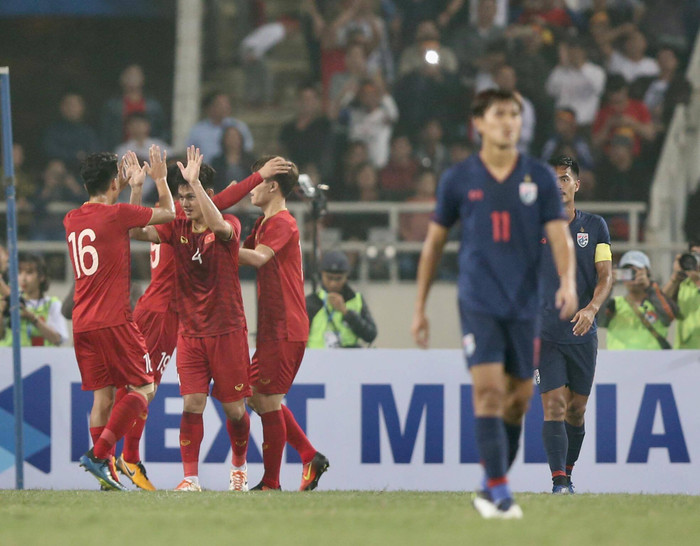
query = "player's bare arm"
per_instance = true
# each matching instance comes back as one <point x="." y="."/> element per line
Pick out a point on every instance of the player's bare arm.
<point x="256" y="258"/>
<point x="211" y="216"/>
<point x="584" y="318"/>
<point x="427" y="266"/>
<point x="276" y="165"/>
<point x="136" y="175"/>
<point x="566" y="299"/>
<point x="235" y="191"/>
<point x="157" y="168"/>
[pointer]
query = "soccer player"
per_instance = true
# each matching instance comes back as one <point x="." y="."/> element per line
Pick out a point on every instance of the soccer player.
<point x="213" y="338"/>
<point x="109" y="347"/>
<point x="503" y="198"/>
<point x="569" y="348"/>
<point x="273" y="247"/>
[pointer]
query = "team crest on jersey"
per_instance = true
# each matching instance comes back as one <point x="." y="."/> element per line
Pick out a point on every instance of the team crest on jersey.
<point x="537" y="376"/>
<point x="528" y="191"/>
<point x="582" y="239"/>
<point x="183" y="240"/>
<point x="469" y="344"/>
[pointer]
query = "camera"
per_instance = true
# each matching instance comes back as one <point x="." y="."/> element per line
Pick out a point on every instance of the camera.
<point x="689" y="261"/>
<point x="624" y="274"/>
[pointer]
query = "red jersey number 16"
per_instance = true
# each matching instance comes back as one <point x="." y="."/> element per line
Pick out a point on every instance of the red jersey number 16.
<point x="80" y="251"/>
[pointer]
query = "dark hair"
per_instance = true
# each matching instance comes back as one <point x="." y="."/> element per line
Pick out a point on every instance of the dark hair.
<point x="693" y="242"/>
<point x="616" y="83"/>
<point x="287" y="181"/>
<point x="97" y="171"/>
<point x="309" y="84"/>
<point x="485" y="99"/>
<point x="137" y="115"/>
<point x="565" y="161"/>
<point x="41" y="269"/>
<point x="206" y="176"/>
<point x="172" y="178"/>
<point x="210" y="97"/>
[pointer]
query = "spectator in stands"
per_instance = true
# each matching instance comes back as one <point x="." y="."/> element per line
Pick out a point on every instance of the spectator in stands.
<point x="41" y="323"/>
<point x="139" y="139"/>
<point x="132" y="100"/>
<point x="396" y="179"/>
<point x="616" y="12"/>
<point x="359" y="22"/>
<point x="206" y="134"/>
<point x="366" y="183"/>
<point x="345" y="84"/>
<point x="70" y="139"/>
<point x="338" y="315"/>
<point x="632" y="62"/>
<point x="576" y="83"/>
<point x="566" y="132"/>
<point x="640" y="318"/>
<point x="431" y="151"/>
<point x="25" y="192"/>
<point x="620" y="176"/>
<point x="427" y="43"/>
<point x="4" y="277"/>
<point x="57" y="185"/>
<point x="371" y="119"/>
<point x="470" y="41"/>
<point x="309" y="137"/>
<point x="506" y="80"/>
<point x="544" y="13"/>
<point x="459" y="150"/>
<point x="413" y="226"/>
<point x="668" y="90"/>
<point x="353" y="156"/>
<point x="233" y="163"/>
<point x="495" y="56"/>
<point x="622" y="112"/>
<point x="254" y="47"/>
<point x="684" y="289"/>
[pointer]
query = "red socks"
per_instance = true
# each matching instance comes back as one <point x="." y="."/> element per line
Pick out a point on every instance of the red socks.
<point x="274" y="438"/>
<point x="95" y="433"/>
<point x="238" y="432"/>
<point x="120" y="420"/>
<point x="296" y="437"/>
<point x="191" y="434"/>
<point x="131" y="452"/>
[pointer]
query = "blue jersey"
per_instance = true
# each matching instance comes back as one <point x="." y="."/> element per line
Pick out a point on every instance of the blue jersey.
<point x="501" y="226"/>
<point x="588" y="232"/>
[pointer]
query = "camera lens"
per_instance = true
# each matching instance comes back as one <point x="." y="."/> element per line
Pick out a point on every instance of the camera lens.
<point x="688" y="261"/>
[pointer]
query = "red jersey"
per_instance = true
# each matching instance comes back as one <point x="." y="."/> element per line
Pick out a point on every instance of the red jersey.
<point x="635" y="109"/>
<point x="98" y="245"/>
<point x="160" y="294"/>
<point x="209" y="301"/>
<point x="281" y="301"/>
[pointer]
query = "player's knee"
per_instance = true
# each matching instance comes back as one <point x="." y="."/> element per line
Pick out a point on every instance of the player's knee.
<point x="489" y="399"/>
<point x="147" y="390"/>
<point x="194" y="403"/>
<point x="554" y="408"/>
<point x="234" y="411"/>
<point x="517" y="407"/>
<point x="575" y="413"/>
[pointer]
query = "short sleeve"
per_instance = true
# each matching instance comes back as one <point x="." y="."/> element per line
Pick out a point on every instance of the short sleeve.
<point x="165" y="232"/>
<point x="551" y="207"/>
<point x="131" y="216"/>
<point x="236" y="225"/>
<point x="275" y="234"/>
<point x="447" y="206"/>
<point x="603" y="232"/>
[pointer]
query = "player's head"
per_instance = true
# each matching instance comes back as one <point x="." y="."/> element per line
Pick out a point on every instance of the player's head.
<point x="99" y="173"/>
<point x="567" y="171"/>
<point x="188" y="199"/>
<point x="33" y="275"/>
<point x="497" y="117"/>
<point x="279" y="187"/>
<point x="172" y="179"/>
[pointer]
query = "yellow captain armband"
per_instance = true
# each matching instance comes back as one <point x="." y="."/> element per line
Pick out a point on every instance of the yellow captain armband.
<point x="603" y="253"/>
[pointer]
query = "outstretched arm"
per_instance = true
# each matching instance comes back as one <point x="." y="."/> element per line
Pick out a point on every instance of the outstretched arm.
<point x="235" y="192"/>
<point x="257" y="258"/>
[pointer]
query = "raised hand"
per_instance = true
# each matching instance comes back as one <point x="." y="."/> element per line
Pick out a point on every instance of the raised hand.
<point x="136" y="173"/>
<point x="122" y="177"/>
<point x="276" y="165"/>
<point x="194" y="162"/>
<point x="157" y="168"/>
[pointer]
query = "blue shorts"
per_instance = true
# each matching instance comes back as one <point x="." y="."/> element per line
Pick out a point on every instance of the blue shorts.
<point x="570" y="364"/>
<point x="491" y="339"/>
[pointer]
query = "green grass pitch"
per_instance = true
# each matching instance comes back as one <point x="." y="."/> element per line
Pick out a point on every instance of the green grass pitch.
<point x="336" y="518"/>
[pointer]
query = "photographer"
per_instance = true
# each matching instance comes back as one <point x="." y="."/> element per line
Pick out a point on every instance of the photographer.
<point x="684" y="289"/>
<point x="41" y="323"/>
<point x="639" y="319"/>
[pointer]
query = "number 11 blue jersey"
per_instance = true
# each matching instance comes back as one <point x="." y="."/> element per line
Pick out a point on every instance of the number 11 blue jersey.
<point x="501" y="228"/>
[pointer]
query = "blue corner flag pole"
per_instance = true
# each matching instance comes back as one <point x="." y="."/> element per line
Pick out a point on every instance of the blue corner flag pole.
<point x="9" y="182"/>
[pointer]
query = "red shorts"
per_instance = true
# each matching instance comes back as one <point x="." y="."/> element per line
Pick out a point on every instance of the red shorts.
<point x="275" y="365"/>
<point x="224" y="358"/>
<point x="115" y="356"/>
<point x="160" y="332"/>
